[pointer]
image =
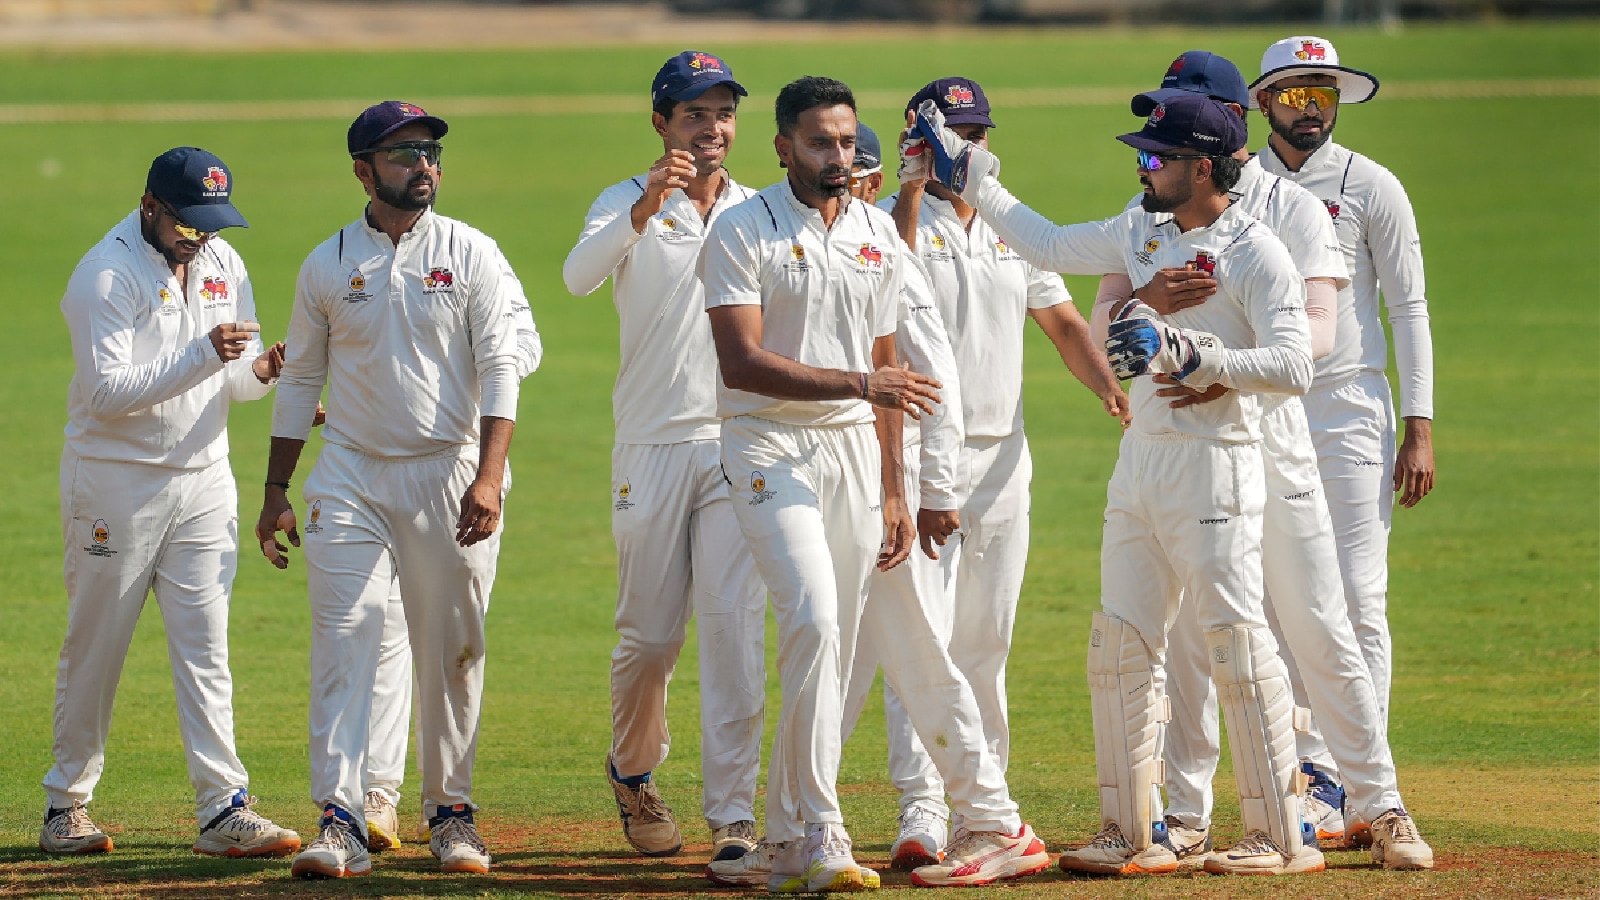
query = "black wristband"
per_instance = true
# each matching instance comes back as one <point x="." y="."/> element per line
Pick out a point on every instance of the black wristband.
<point x="282" y="484"/>
<point x="864" y="385"/>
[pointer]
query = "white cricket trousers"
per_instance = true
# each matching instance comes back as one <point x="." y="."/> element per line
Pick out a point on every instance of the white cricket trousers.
<point x="1306" y="610"/>
<point x="130" y="529"/>
<point x="906" y="628"/>
<point x="372" y="523"/>
<point x="809" y="502"/>
<point x="1353" y="425"/>
<point x="680" y="551"/>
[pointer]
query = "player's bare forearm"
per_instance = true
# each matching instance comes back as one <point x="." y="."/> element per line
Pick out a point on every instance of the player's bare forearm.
<point x="907" y="209"/>
<point x="746" y="366"/>
<point x="277" y="512"/>
<point x="480" y="505"/>
<point x="890" y="426"/>
<point x="1069" y="333"/>
<point x="283" y="458"/>
<point x="494" y="446"/>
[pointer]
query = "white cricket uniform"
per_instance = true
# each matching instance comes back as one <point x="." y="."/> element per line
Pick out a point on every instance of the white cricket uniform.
<point x="984" y="291"/>
<point x="148" y="501"/>
<point x="906" y="624"/>
<point x="414" y="343"/>
<point x="391" y="693"/>
<point x="805" y="474"/>
<point x="1349" y="406"/>
<point x="1185" y="502"/>
<point x="679" y="549"/>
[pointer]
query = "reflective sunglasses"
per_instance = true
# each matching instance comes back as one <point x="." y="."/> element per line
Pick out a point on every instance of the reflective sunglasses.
<point x="1153" y="162"/>
<point x="1298" y="98"/>
<point x="185" y="230"/>
<point x="409" y="153"/>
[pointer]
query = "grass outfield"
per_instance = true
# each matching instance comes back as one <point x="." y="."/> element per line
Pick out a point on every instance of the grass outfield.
<point x="1496" y="627"/>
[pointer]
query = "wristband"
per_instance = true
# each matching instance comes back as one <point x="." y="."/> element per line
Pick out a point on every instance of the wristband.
<point x="282" y="484"/>
<point x="863" y="385"/>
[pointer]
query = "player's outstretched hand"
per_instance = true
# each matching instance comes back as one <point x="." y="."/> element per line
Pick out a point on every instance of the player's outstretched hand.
<point x="1173" y="289"/>
<point x="957" y="164"/>
<point x="269" y="365"/>
<point x="899" y="534"/>
<point x="230" y="338"/>
<point x="897" y="387"/>
<point x="671" y="172"/>
<point x="277" y="514"/>
<point x="1413" y="465"/>
<point x="934" y="526"/>
<point x="1187" y="395"/>
<point x="1115" y="401"/>
<point x="480" y="512"/>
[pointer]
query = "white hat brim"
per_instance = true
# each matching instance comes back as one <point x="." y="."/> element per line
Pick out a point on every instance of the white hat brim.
<point x="1355" y="86"/>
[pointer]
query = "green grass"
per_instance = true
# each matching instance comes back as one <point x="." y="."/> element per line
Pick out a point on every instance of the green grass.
<point x="1493" y="599"/>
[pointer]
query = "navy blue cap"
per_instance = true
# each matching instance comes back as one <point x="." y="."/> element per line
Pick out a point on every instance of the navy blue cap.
<point x="1192" y="121"/>
<point x="380" y="120"/>
<point x="1197" y="72"/>
<point x="869" y="152"/>
<point x="960" y="99"/>
<point x="197" y="185"/>
<point x="690" y="74"/>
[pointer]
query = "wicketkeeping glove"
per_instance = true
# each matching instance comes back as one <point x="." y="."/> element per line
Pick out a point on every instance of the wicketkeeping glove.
<point x="1138" y="343"/>
<point x="913" y="156"/>
<point x="957" y="164"/>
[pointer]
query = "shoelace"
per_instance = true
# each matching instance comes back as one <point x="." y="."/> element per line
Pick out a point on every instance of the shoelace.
<point x="916" y="815"/>
<point x="73" y="823"/>
<point x="834" y="844"/>
<point x="245" y="818"/>
<point x="336" y="834"/>
<point x="742" y="830"/>
<point x="648" y="805"/>
<point x="1111" y="836"/>
<point x="1402" y="828"/>
<point x="456" y="830"/>
<point x="962" y="844"/>
<point x="1257" y="843"/>
<point x="374" y="803"/>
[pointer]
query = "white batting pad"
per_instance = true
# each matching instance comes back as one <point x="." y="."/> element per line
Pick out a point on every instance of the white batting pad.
<point x="1258" y="706"/>
<point x="1127" y="719"/>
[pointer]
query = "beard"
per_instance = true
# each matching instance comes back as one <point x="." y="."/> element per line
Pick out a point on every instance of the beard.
<point x="1155" y="202"/>
<point x="814" y="180"/>
<point x="178" y="254"/>
<point x="406" y="198"/>
<point x="1305" y="142"/>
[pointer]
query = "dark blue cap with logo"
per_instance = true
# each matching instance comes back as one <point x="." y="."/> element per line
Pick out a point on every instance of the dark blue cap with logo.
<point x="960" y="99"/>
<point x="1192" y="121"/>
<point x="689" y="74"/>
<point x="380" y="120"/>
<point x="869" y="152"/>
<point x="1197" y="72"/>
<point x="197" y="185"/>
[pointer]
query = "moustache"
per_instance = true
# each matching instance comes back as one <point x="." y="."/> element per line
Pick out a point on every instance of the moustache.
<point x="835" y="170"/>
<point x="419" y="179"/>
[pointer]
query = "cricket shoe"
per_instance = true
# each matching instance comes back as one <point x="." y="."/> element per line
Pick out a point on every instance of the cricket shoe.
<point x="1189" y="846"/>
<point x="825" y="865"/>
<point x="1322" y="805"/>
<point x="68" y="830"/>
<point x="1357" y="832"/>
<point x="1110" y="853"/>
<point x="339" y="851"/>
<point x="454" y="840"/>
<point x="647" y="821"/>
<point x="241" y="831"/>
<point x="1396" y="843"/>
<point x="1259" y="854"/>
<point x="733" y="840"/>
<point x="923" y="834"/>
<point x="753" y="869"/>
<point x="984" y="857"/>
<point x="383" y="822"/>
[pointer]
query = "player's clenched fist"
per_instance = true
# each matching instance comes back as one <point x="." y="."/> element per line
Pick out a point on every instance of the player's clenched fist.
<point x="671" y="172"/>
<point x="230" y="338"/>
<point x="269" y="365"/>
<point x="897" y="387"/>
<point x="277" y="514"/>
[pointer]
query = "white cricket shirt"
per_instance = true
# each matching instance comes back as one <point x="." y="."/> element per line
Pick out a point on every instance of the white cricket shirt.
<point x="414" y="342"/>
<point x="1258" y="312"/>
<point x="1378" y="230"/>
<point x="984" y="290"/>
<point x="666" y="389"/>
<point x="147" y="385"/>
<point x="825" y="294"/>
<point x="922" y="342"/>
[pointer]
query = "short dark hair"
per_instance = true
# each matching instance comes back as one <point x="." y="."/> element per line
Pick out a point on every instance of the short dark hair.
<point x="1225" y="172"/>
<point x="667" y="105"/>
<point x="810" y="92"/>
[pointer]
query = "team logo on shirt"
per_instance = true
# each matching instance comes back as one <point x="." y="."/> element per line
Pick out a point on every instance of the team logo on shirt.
<point x="438" y="279"/>
<point x="101" y="533"/>
<point x="798" y="264"/>
<point x="169" y="301"/>
<point x="312" y="526"/>
<point x="358" y="284"/>
<point x="1333" y="207"/>
<point x="937" y="240"/>
<point x="623" y="491"/>
<point x="1311" y="50"/>
<point x="1204" y="262"/>
<point x="958" y="95"/>
<point x="165" y="295"/>
<point x="758" y="489"/>
<point x="216" y="181"/>
<point x="669" y="224"/>
<point x="1005" y="250"/>
<point x="1143" y="256"/>
<point x="870" y="256"/>
<point x="214" y="289"/>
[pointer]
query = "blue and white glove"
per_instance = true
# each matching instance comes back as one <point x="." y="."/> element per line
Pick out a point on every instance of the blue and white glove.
<point x="957" y="164"/>
<point x="1139" y="343"/>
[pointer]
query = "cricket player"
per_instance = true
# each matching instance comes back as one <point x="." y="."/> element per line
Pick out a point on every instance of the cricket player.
<point x="985" y="292"/>
<point x="407" y="317"/>
<point x="1305" y="596"/>
<point x="164" y="338"/>
<point x="1349" y="406"/>
<point x="679" y="548"/>
<point x="803" y="291"/>
<point x="1184" y="506"/>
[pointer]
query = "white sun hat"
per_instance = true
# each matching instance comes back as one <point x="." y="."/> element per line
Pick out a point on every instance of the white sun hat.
<point x="1310" y="55"/>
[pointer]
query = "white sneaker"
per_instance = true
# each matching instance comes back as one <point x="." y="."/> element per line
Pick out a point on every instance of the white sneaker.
<point x="338" y="852"/>
<point x="1259" y="854"/>
<point x="1110" y="853"/>
<point x="647" y="821"/>
<point x="753" y="869"/>
<point x="984" y="857"/>
<point x="733" y="840"/>
<point x="828" y="865"/>
<point x="1357" y="832"/>
<point x="923" y="834"/>
<point x="383" y="822"/>
<point x="69" y="830"/>
<point x="455" y="843"/>
<point x="240" y="831"/>
<point x="1188" y="845"/>
<point x="1322" y="805"/>
<point x="1396" y="843"/>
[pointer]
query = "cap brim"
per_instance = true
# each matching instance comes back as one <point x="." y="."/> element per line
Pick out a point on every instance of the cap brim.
<point x="1138" y="140"/>
<point x="969" y="118"/>
<point x="1355" y="86"/>
<point x="1144" y="104"/>
<point x="434" y="123"/>
<point x="693" y="91"/>
<point x="212" y="217"/>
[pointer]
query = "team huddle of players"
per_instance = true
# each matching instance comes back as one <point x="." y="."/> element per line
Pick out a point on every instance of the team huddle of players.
<point x="819" y="404"/>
